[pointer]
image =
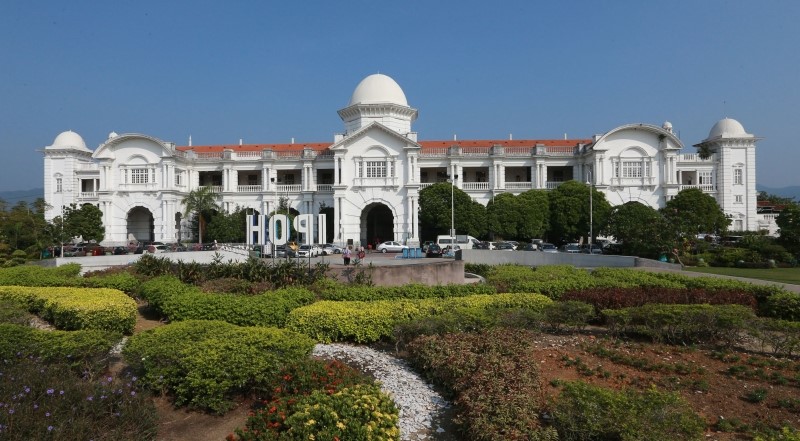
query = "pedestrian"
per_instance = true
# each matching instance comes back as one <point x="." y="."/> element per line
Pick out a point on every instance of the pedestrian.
<point x="361" y="253"/>
<point x="346" y="255"/>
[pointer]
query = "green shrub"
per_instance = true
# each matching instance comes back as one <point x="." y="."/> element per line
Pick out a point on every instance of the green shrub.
<point x="123" y="281"/>
<point x="786" y="434"/>
<point x="785" y="306"/>
<point x="33" y="275"/>
<point x="364" y="322"/>
<point x="178" y="301"/>
<point x="494" y="378"/>
<point x="46" y="402"/>
<point x="85" y="350"/>
<point x="583" y="412"/>
<point x="340" y="291"/>
<point x="481" y="269"/>
<point x="458" y="320"/>
<point x="204" y="363"/>
<point x="567" y="315"/>
<point x="551" y="281"/>
<point x="14" y="312"/>
<point x="719" y="324"/>
<point x="77" y="308"/>
<point x="781" y="337"/>
<point x="360" y="412"/>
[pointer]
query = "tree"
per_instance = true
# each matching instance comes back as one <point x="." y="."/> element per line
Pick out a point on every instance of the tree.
<point x="775" y="199"/>
<point x="692" y="212"/>
<point x="201" y="202"/>
<point x="434" y="211"/>
<point x="789" y="223"/>
<point x="502" y="215"/>
<point x="642" y="230"/>
<point x="569" y="211"/>
<point x="534" y="214"/>
<point x="228" y="227"/>
<point x="85" y="221"/>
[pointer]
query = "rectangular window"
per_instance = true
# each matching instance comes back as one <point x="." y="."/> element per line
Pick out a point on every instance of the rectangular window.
<point x="632" y="169"/>
<point x="739" y="199"/>
<point x="59" y="185"/>
<point x="376" y="169"/>
<point x="706" y="178"/>
<point x="738" y="176"/>
<point x="178" y="178"/>
<point x="139" y="175"/>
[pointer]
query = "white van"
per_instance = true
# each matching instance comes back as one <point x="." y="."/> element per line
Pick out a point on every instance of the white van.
<point x="462" y="240"/>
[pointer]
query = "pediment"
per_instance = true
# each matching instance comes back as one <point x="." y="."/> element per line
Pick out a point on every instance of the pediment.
<point x="375" y="135"/>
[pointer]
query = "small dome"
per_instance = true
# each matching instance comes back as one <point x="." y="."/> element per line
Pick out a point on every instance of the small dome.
<point x="378" y="89"/>
<point x="667" y="126"/>
<point x="728" y="128"/>
<point x="69" y="140"/>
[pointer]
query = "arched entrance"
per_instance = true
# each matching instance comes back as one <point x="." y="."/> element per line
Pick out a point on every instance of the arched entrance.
<point x="141" y="224"/>
<point x="377" y="223"/>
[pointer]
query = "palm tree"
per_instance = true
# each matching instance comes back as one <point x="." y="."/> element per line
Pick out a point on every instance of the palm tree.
<point x="198" y="201"/>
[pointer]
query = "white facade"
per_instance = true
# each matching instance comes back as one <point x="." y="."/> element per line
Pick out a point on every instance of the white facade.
<point x="372" y="173"/>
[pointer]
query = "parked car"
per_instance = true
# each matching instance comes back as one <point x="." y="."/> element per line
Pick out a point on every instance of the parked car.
<point x="118" y="251"/>
<point x="571" y="248"/>
<point x="157" y="247"/>
<point x="548" y="248"/>
<point x="482" y="246"/>
<point x="613" y="249"/>
<point x="596" y="249"/>
<point x="433" y="250"/>
<point x="426" y="244"/>
<point x="504" y="246"/>
<point x="284" y="251"/>
<point x="74" y="252"/>
<point x="329" y="248"/>
<point x="529" y="247"/>
<point x="309" y="251"/>
<point x="391" y="246"/>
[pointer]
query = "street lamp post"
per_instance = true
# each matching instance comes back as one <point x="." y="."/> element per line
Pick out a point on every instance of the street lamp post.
<point x="591" y="224"/>
<point x="274" y="212"/>
<point x="452" y="206"/>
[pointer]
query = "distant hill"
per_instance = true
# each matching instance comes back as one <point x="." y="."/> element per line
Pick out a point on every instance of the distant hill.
<point x="786" y="192"/>
<point x="13" y="197"/>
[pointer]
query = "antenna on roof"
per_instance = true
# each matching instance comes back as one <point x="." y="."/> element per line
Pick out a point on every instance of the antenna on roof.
<point x="510" y="136"/>
<point x="455" y="137"/>
<point x="292" y="139"/>
<point x="190" y="140"/>
<point x="565" y="136"/>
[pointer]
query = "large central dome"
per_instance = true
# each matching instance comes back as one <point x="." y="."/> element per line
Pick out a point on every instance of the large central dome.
<point x="378" y="89"/>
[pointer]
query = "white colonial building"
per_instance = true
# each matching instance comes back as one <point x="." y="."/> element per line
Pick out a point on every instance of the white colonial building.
<point x="371" y="174"/>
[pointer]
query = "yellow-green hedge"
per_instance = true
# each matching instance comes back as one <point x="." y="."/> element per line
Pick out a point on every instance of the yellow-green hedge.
<point x="364" y="322"/>
<point x="77" y="308"/>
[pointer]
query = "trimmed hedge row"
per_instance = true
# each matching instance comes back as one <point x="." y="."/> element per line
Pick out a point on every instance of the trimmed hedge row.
<point x="617" y="298"/>
<point x="586" y="412"/>
<point x="77" y="308"/>
<point x="65" y="276"/>
<point x="178" y="301"/>
<point x="204" y="363"/>
<point x="364" y="322"/>
<point x="718" y="324"/>
<point x="85" y="349"/>
<point x="331" y="290"/>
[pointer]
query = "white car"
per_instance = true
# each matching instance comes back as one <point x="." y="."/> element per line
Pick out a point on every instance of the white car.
<point x="329" y="248"/>
<point x="309" y="251"/>
<point x="391" y="246"/>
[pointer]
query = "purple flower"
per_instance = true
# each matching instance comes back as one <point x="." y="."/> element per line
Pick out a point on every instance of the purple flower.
<point x="61" y="392"/>
<point x="90" y="398"/>
<point x="50" y="391"/>
<point x="47" y="414"/>
<point x="133" y="393"/>
<point x="49" y="428"/>
<point x="35" y="406"/>
<point x="27" y="390"/>
<point x="11" y="411"/>
<point x="110" y="379"/>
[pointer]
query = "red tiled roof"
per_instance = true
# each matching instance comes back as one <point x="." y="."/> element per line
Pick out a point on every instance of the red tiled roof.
<point x="506" y="143"/>
<point x="320" y="146"/>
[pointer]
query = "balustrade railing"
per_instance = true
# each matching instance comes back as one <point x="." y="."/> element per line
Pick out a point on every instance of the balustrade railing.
<point x="704" y="187"/>
<point x="248" y="188"/>
<point x="467" y="186"/>
<point x="550" y="184"/>
<point x="519" y="185"/>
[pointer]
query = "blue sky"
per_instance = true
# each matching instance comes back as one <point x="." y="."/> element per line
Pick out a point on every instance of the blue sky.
<point x="269" y="71"/>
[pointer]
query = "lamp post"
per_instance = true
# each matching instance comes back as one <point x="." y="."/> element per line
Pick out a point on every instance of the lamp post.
<point x="452" y="205"/>
<point x="274" y="211"/>
<point x="591" y="231"/>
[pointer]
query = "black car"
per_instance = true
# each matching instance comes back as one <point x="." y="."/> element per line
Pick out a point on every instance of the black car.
<point x="118" y="251"/>
<point x="433" y="250"/>
<point x="481" y="246"/>
<point x="504" y="246"/>
<point x="530" y="247"/>
<point x="284" y="251"/>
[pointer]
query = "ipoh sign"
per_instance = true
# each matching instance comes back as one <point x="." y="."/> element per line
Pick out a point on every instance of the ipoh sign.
<point x="262" y="228"/>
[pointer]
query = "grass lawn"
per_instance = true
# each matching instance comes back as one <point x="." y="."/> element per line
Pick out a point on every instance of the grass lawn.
<point x="783" y="275"/>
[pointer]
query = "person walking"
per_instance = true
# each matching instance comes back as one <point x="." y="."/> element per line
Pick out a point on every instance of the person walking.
<point x="346" y="254"/>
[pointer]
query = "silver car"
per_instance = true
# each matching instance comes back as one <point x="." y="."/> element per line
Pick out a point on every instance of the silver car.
<point x="391" y="246"/>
